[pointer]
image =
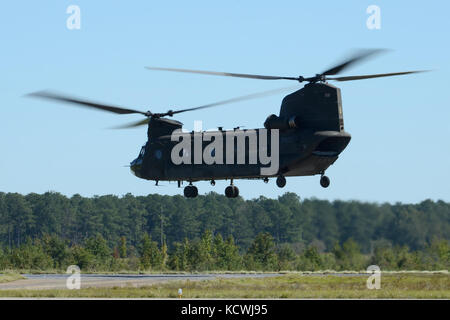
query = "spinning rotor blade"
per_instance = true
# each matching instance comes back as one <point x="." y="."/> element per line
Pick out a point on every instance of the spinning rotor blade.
<point x="236" y="99"/>
<point x="232" y="100"/>
<point x="354" y="59"/>
<point x="369" y="76"/>
<point x="227" y="74"/>
<point x="133" y="124"/>
<point x="85" y="103"/>
<point x="358" y="57"/>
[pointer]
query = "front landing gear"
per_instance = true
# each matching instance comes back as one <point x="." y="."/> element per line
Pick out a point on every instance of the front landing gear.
<point x="324" y="181"/>
<point x="232" y="191"/>
<point x="190" y="191"/>
<point x="281" y="181"/>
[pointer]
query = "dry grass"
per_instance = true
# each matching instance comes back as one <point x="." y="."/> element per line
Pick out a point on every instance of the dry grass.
<point x="8" y="277"/>
<point x="430" y="286"/>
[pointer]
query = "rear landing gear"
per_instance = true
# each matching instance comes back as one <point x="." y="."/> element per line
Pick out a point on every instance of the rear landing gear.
<point x="324" y="181"/>
<point x="190" y="191"/>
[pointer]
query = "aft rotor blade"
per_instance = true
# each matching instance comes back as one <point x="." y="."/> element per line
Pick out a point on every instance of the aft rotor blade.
<point x="85" y="103"/>
<point x="370" y="76"/>
<point x="234" y="100"/>
<point x="226" y="74"/>
<point x="353" y="60"/>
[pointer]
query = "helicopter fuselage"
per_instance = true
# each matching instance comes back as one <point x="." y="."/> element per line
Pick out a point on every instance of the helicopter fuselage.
<point x="310" y="136"/>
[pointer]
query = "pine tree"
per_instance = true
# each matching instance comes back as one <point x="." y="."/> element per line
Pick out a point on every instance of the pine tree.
<point x="262" y="252"/>
<point x="150" y="255"/>
<point x="231" y="257"/>
<point x="123" y="247"/>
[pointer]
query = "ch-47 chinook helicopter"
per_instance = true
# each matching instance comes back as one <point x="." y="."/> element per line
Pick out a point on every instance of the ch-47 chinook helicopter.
<point x="310" y="134"/>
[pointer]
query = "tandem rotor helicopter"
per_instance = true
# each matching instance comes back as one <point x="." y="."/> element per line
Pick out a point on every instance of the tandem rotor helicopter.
<point x="310" y="134"/>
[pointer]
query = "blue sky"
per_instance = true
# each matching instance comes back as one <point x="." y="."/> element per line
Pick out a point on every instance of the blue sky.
<point x="400" y="125"/>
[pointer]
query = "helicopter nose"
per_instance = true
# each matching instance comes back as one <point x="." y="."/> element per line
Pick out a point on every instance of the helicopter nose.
<point x="135" y="167"/>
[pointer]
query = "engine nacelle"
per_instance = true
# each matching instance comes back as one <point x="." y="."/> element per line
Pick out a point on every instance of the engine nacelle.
<point x="282" y="123"/>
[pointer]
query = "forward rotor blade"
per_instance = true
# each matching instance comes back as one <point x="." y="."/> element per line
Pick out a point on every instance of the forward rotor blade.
<point x="353" y="60"/>
<point x="236" y="99"/>
<point x="84" y="103"/>
<point x="133" y="124"/>
<point x="370" y="76"/>
<point x="232" y="100"/>
<point x="226" y="74"/>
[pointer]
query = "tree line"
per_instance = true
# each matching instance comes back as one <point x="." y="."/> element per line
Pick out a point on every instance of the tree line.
<point x="213" y="253"/>
<point x="210" y="232"/>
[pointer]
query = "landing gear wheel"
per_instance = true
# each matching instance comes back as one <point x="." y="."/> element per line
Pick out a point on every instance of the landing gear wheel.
<point x="194" y="191"/>
<point x="324" y="181"/>
<point x="229" y="191"/>
<point x="281" y="181"/>
<point x="235" y="192"/>
<point x="190" y="191"/>
<point x="232" y="192"/>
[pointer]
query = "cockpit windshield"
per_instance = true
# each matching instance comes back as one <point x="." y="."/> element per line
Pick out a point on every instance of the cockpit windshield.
<point x="136" y="164"/>
<point x="141" y="154"/>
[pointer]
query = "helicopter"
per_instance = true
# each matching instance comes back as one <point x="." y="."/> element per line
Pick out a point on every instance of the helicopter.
<point x="306" y="137"/>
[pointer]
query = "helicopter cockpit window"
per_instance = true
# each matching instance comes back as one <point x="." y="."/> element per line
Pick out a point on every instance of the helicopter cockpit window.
<point x="141" y="154"/>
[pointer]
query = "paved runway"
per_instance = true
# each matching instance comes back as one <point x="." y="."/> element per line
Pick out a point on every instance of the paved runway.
<point x="58" y="281"/>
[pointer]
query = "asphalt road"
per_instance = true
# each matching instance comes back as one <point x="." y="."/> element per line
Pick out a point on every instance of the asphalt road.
<point x="58" y="281"/>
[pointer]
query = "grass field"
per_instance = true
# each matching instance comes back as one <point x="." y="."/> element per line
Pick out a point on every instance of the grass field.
<point x="8" y="277"/>
<point x="430" y="286"/>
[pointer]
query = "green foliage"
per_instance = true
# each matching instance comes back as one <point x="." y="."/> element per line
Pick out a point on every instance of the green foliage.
<point x="287" y="219"/>
<point x="438" y="253"/>
<point x="151" y="257"/>
<point x="57" y="249"/>
<point x="310" y="260"/>
<point x="261" y="254"/>
<point x="226" y="254"/>
<point x="30" y="256"/>
<point x="99" y="249"/>
<point x="349" y="257"/>
<point x="123" y="247"/>
<point x="286" y="257"/>
<point x="113" y="233"/>
<point x="213" y="253"/>
<point x="82" y="258"/>
<point x="202" y="252"/>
